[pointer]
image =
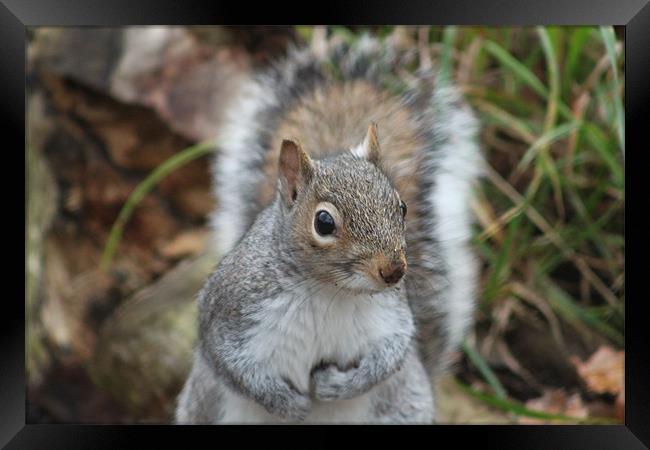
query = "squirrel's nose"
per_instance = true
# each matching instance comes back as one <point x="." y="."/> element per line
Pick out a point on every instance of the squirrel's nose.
<point x="392" y="273"/>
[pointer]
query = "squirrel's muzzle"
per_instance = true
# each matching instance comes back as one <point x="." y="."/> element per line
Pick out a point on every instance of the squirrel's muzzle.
<point x="392" y="272"/>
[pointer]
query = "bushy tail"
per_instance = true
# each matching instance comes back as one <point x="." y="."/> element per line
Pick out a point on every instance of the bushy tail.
<point x="443" y="282"/>
<point x="441" y="288"/>
<point x="444" y="304"/>
<point x="261" y="102"/>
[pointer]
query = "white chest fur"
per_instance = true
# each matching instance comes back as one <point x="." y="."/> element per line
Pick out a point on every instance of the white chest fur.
<point x="299" y="330"/>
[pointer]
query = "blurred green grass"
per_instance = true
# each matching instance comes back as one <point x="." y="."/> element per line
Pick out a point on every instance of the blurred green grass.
<point x="551" y="208"/>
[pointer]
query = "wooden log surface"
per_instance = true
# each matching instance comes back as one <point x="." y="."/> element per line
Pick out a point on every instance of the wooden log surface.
<point x="143" y="351"/>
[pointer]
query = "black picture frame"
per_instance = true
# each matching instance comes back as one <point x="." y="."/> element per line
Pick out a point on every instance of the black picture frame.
<point x="16" y="16"/>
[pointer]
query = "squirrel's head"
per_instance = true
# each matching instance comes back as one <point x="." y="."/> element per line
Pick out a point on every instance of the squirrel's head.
<point x="344" y="220"/>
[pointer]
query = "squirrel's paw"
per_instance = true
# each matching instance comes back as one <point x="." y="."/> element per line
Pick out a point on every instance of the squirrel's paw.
<point x="330" y="383"/>
<point x="290" y="405"/>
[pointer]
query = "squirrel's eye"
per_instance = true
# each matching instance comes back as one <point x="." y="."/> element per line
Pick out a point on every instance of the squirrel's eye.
<point x="402" y="206"/>
<point x="324" y="223"/>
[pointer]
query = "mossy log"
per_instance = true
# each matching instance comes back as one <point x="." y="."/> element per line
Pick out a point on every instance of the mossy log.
<point x="41" y="205"/>
<point x="144" y="351"/>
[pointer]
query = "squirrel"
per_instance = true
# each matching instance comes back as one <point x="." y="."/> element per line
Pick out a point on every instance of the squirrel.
<point x="348" y="281"/>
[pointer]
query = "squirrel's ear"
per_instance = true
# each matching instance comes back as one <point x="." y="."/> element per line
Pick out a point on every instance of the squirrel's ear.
<point x="296" y="169"/>
<point x="369" y="148"/>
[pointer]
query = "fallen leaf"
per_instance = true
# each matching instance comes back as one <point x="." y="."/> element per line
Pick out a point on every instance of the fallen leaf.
<point x="619" y="405"/>
<point x="185" y="244"/>
<point x="555" y="401"/>
<point x="603" y="372"/>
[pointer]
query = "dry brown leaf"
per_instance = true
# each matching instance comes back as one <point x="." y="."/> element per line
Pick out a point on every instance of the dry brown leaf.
<point x="555" y="401"/>
<point x="603" y="372"/>
<point x="185" y="244"/>
<point x="619" y="405"/>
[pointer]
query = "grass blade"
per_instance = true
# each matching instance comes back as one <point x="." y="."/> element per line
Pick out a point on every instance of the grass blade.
<point x="551" y="113"/>
<point x="565" y="305"/>
<point x="544" y="140"/>
<point x="553" y="77"/>
<point x="521" y="410"/>
<point x="501" y="267"/>
<point x="510" y="62"/>
<point x="515" y="126"/>
<point x="575" y="50"/>
<point x="179" y="159"/>
<point x="446" y="63"/>
<point x="609" y="38"/>
<point x="598" y="141"/>
<point x="521" y="71"/>
<point x="485" y="370"/>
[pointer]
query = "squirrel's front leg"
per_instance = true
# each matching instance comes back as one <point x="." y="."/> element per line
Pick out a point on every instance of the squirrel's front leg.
<point x="278" y="396"/>
<point x="254" y="380"/>
<point x="382" y="360"/>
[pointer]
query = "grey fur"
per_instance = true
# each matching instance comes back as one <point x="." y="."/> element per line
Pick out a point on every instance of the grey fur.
<point x="381" y="361"/>
<point x="245" y="278"/>
<point x="268" y="253"/>
<point x="273" y="258"/>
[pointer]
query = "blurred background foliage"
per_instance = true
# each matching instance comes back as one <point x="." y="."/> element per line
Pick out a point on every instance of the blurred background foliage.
<point x="112" y="170"/>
